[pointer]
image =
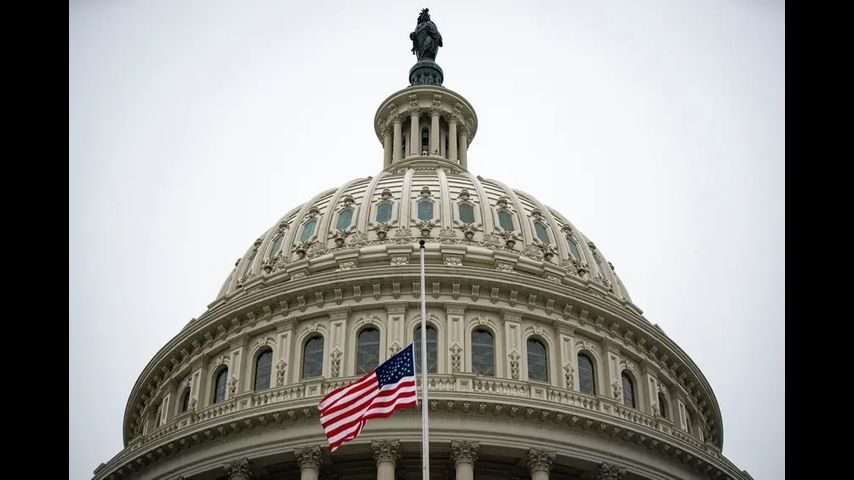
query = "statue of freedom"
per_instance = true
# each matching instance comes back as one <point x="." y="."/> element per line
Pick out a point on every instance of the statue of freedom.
<point x="426" y="38"/>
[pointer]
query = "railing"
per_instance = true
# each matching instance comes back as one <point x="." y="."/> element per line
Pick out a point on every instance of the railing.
<point x="463" y="382"/>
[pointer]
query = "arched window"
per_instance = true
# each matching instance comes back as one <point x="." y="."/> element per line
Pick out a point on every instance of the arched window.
<point x="425" y="210"/>
<point x="628" y="391"/>
<point x="662" y="404"/>
<point x="482" y="352"/>
<point x="184" y="403"/>
<point x="344" y="218"/>
<point x="541" y="232"/>
<point x="367" y="350"/>
<point x="383" y="212"/>
<point x="220" y="385"/>
<point x="466" y="213"/>
<point x="263" y="368"/>
<point x="505" y="219"/>
<point x="538" y="364"/>
<point x="312" y="357"/>
<point x="277" y="245"/>
<point x="308" y="230"/>
<point x="688" y="420"/>
<point x="586" y="375"/>
<point x="432" y="349"/>
<point x="573" y="249"/>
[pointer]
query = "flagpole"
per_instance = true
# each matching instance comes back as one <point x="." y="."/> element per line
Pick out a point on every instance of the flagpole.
<point x="425" y="431"/>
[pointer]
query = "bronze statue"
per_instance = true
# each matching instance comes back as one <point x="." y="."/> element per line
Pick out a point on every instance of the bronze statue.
<point x="426" y="38"/>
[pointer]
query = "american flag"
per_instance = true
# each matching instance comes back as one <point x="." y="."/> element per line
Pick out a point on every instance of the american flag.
<point x="391" y="386"/>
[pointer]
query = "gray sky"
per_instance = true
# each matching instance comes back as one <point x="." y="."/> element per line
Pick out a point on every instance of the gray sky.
<point x="656" y="127"/>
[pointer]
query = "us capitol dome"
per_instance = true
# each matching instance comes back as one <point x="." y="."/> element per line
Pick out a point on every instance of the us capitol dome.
<point x="540" y="366"/>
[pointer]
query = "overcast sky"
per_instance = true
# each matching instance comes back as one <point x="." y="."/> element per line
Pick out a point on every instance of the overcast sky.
<point x="656" y="127"/>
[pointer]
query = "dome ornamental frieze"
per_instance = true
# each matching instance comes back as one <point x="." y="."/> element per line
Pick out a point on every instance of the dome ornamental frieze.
<point x="538" y="362"/>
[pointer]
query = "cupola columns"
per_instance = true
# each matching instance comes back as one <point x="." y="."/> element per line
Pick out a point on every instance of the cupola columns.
<point x="414" y="132"/>
<point x="398" y="140"/>
<point x="452" y="139"/>
<point x="434" y="131"/>
<point x="425" y="125"/>
<point x="464" y="148"/>
<point x="387" y="150"/>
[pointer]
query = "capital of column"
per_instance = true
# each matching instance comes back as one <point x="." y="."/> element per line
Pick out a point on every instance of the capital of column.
<point x="308" y="457"/>
<point x="609" y="471"/>
<point x="540" y="460"/>
<point x="464" y="451"/>
<point x="414" y="111"/>
<point x="386" y="451"/>
<point x="435" y="112"/>
<point x="240" y="469"/>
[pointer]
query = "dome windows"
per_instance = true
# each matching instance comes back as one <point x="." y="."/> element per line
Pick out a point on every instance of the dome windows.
<point x="345" y="214"/>
<point x="432" y="349"/>
<point x="425" y="211"/>
<point x="505" y="220"/>
<point x="628" y="390"/>
<point x="220" y="385"/>
<point x="466" y="213"/>
<point x="505" y="216"/>
<point x="312" y="357"/>
<point x="540" y="228"/>
<point x="586" y="377"/>
<point x="344" y="218"/>
<point x="385" y="207"/>
<point x="573" y="248"/>
<point x="308" y="230"/>
<point x="482" y="352"/>
<point x="367" y="350"/>
<point x="384" y="212"/>
<point x="263" y="369"/>
<point x="541" y="232"/>
<point x="277" y="245"/>
<point x="662" y="404"/>
<point x="184" y="400"/>
<point x="538" y="365"/>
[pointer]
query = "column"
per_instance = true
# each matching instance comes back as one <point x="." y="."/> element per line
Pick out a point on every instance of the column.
<point x="309" y="462"/>
<point x="464" y="454"/>
<point x="398" y="139"/>
<point x="414" y="131"/>
<point x="540" y="463"/>
<point x="434" y="131"/>
<point x="463" y="146"/>
<point x="609" y="471"/>
<point x="386" y="453"/>
<point x="240" y="469"/>
<point x="452" y="138"/>
<point x="387" y="148"/>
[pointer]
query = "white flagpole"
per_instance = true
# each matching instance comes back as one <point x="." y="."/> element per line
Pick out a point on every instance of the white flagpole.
<point x="425" y="431"/>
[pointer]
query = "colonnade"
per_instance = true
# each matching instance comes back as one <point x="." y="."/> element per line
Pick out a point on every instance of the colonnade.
<point x="457" y="137"/>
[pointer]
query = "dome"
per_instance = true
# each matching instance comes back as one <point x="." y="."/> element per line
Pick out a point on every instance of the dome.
<point x="468" y="221"/>
<point x="539" y="364"/>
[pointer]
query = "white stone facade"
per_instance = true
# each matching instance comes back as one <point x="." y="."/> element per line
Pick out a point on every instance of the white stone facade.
<point x="497" y="261"/>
